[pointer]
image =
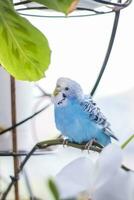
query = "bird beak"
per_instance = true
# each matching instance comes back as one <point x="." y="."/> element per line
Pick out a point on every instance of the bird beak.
<point x="56" y="91"/>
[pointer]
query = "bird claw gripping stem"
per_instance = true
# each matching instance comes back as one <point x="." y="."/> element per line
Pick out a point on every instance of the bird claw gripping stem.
<point x="65" y="142"/>
<point x="89" y="144"/>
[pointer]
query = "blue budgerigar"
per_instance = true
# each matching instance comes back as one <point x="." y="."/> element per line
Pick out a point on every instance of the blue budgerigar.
<point x="77" y="115"/>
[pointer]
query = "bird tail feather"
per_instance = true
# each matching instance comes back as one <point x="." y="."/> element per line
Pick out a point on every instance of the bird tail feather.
<point x="110" y="133"/>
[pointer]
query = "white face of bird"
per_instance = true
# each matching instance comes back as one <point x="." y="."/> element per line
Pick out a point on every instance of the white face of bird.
<point x="66" y="89"/>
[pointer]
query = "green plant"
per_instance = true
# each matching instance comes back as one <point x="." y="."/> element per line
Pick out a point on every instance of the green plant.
<point x="24" y="50"/>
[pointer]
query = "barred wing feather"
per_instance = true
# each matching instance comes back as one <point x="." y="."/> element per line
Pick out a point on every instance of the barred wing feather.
<point x="96" y="115"/>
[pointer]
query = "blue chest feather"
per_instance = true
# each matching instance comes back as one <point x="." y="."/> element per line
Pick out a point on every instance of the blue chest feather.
<point x="74" y="123"/>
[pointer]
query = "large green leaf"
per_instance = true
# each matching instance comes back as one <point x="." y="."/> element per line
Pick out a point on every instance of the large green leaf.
<point x="65" y="6"/>
<point x="24" y="50"/>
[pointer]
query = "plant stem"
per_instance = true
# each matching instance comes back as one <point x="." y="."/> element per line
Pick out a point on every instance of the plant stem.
<point x="14" y="133"/>
<point x="127" y="141"/>
<point x="43" y="145"/>
<point x="24" y="120"/>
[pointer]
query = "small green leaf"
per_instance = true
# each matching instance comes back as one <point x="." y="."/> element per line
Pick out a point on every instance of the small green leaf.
<point x="65" y="6"/>
<point x="130" y="139"/>
<point x="24" y="50"/>
<point x="53" y="189"/>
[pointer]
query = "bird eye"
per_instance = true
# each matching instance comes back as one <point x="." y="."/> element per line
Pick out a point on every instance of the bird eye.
<point x="66" y="88"/>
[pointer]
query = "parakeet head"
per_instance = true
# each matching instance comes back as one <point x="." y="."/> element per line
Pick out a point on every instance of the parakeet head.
<point x="66" y="90"/>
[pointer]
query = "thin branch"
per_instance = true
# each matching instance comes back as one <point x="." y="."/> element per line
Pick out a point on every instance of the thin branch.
<point x="23" y="153"/>
<point x="118" y="5"/>
<point x="127" y="141"/>
<point x="45" y="94"/>
<point x="14" y="132"/>
<point x="69" y="16"/>
<point x="45" y="8"/>
<point x="96" y="147"/>
<point x="14" y="179"/>
<point x="23" y="121"/>
<point x="108" y="52"/>
<point x="43" y="145"/>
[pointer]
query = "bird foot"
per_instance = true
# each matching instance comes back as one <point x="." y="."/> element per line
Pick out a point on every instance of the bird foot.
<point x="89" y="144"/>
<point x="65" y="142"/>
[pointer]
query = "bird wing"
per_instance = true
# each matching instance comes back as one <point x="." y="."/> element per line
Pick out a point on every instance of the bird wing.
<point x="95" y="114"/>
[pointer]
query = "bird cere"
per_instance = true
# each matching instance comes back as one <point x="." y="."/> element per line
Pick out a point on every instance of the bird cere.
<point x="77" y="116"/>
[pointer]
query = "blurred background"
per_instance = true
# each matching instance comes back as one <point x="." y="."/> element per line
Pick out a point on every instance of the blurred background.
<point x="78" y="48"/>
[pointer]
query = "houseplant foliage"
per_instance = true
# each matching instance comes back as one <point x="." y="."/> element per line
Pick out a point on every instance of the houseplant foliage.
<point x="65" y="6"/>
<point x="24" y="50"/>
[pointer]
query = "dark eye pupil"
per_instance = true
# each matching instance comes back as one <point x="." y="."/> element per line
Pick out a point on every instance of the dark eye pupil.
<point x="66" y="88"/>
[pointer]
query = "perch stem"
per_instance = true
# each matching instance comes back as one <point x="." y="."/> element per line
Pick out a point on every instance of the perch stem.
<point x="59" y="141"/>
<point x="43" y="145"/>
